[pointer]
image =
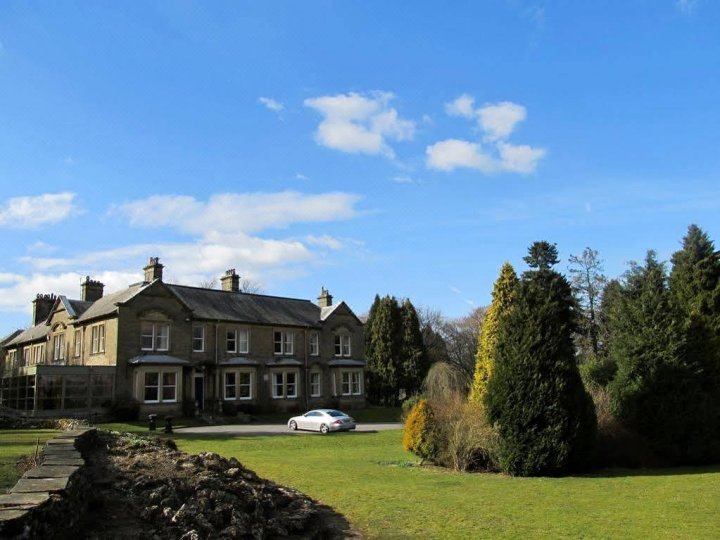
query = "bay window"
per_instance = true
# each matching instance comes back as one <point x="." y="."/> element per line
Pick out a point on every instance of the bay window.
<point x="160" y="386"/>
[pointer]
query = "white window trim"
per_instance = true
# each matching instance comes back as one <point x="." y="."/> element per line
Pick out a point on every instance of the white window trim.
<point x="160" y="385"/>
<point x="97" y="339"/>
<point x="58" y="347"/>
<point x="246" y="349"/>
<point x="201" y="338"/>
<point x="234" y="340"/>
<point x="343" y="340"/>
<point x="314" y="344"/>
<point x="284" y="379"/>
<point x="78" y="343"/>
<point x="354" y="377"/>
<point x="319" y="384"/>
<point x="287" y="342"/>
<point x="155" y="334"/>
<point x="238" y="373"/>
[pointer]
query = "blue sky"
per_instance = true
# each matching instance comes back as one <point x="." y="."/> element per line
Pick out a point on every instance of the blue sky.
<point x="404" y="148"/>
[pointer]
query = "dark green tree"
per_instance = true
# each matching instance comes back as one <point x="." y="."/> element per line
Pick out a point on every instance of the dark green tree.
<point x="657" y="391"/>
<point x="545" y="418"/>
<point x="413" y="354"/>
<point x="383" y="331"/>
<point x="695" y="295"/>
<point x="542" y="255"/>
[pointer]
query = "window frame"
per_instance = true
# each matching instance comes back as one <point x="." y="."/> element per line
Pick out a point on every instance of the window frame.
<point x="314" y="344"/>
<point x="315" y="384"/>
<point x="231" y="336"/>
<point x="97" y="338"/>
<point x="351" y="382"/>
<point x="161" y="385"/>
<point x="77" y="349"/>
<point x="280" y="379"/>
<point x="243" y="337"/>
<point x="196" y="338"/>
<point x="283" y="342"/>
<point x="155" y="335"/>
<point x="58" y="348"/>
<point x="343" y="346"/>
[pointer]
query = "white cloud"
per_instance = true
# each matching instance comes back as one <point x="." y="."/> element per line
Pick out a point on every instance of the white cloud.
<point x="499" y="120"/>
<point x="34" y="212"/>
<point x="519" y="158"/>
<point x="238" y="212"/>
<point x="496" y="121"/>
<point x="271" y="104"/>
<point x="357" y="123"/>
<point x="463" y="105"/>
<point x="451" y="154"/>
<point x="299" y="176"/>
<point x="325" y="240"/>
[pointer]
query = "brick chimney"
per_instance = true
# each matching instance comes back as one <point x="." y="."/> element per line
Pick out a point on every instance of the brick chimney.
<point x="153" y="270"/>
<point x="90" y="290"/>
<point x="42" y="305"/>
<point x="230" y="281"/>
<point x="325" y="298"/>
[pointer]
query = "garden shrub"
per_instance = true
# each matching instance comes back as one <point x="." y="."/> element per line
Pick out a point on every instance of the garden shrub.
<point x="464" y="438"/>
<point x="418" y="436"/>
<point x="409" y="404"/>
<point x="597" y="371"/>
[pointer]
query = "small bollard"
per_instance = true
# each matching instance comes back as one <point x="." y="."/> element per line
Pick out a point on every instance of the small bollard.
<point x="168" y="424"/>
<point x="152" y="422"/>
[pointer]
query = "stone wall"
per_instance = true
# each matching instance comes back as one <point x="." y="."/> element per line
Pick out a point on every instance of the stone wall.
<point x="50" y="500"/>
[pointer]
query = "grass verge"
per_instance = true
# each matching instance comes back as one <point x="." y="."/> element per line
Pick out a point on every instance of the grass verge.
<point x="14" y="444"/>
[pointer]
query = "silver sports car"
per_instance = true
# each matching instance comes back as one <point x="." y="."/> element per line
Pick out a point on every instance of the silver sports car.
<point x="322" y="420"/>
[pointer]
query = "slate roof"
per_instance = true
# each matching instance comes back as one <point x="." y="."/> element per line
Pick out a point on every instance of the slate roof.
<point x="74" y="308"/>
<point x="213" y="304"/>
<point x="34" y="333"/>
<point x="106" y="304"/>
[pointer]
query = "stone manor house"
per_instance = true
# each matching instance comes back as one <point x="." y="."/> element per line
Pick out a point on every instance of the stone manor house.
<point x="178" y="349"/>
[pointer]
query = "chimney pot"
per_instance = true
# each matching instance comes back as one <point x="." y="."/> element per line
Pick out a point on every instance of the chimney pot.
<point x="230" y="281"/>
<point x="91" y="290"/>
<point x="153" y="270"/>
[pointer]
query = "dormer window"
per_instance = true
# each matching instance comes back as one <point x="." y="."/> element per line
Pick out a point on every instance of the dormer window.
<point x="342" y="345"/>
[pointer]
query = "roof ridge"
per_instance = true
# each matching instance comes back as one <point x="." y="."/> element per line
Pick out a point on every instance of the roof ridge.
<point x="240" y="293"/>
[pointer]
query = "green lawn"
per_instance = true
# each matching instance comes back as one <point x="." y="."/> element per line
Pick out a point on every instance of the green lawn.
<point x="15" y="443"/>
<point x="382" y="490"/>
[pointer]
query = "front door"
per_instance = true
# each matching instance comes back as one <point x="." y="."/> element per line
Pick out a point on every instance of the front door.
<point x="199" y="391"/>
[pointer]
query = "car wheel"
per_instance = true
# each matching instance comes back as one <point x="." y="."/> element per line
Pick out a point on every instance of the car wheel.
<point x="292" y="425"/>
<point x="323" y="429"/>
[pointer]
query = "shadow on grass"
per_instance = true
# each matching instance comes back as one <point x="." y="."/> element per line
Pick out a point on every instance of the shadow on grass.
<point x="655" y="471"/>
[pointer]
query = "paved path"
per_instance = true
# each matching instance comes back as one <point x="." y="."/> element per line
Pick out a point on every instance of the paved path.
<point x="274" y="429"/>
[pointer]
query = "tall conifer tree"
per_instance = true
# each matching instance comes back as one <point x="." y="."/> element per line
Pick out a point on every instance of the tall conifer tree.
<point x="545" y="418"/>
<point x="503" y="294"/>
<point x="413" y="354"/>
<point x="382" y="354"/>
<point x="657" y="390"/>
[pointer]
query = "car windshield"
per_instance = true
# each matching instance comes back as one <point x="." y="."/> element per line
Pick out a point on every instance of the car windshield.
<point x="336" y="413"/>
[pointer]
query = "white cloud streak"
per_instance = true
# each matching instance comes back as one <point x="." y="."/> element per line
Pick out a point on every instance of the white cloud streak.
<point x="35" y="212"/>
<point x="357" y="123"/>
<point x="271" y="104"/>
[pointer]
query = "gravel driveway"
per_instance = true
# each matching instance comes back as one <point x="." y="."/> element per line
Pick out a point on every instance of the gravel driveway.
<point x="274" y="429"/>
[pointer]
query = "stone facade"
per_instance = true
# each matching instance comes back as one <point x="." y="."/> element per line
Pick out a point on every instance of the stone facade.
<point x="176" y="349"/>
